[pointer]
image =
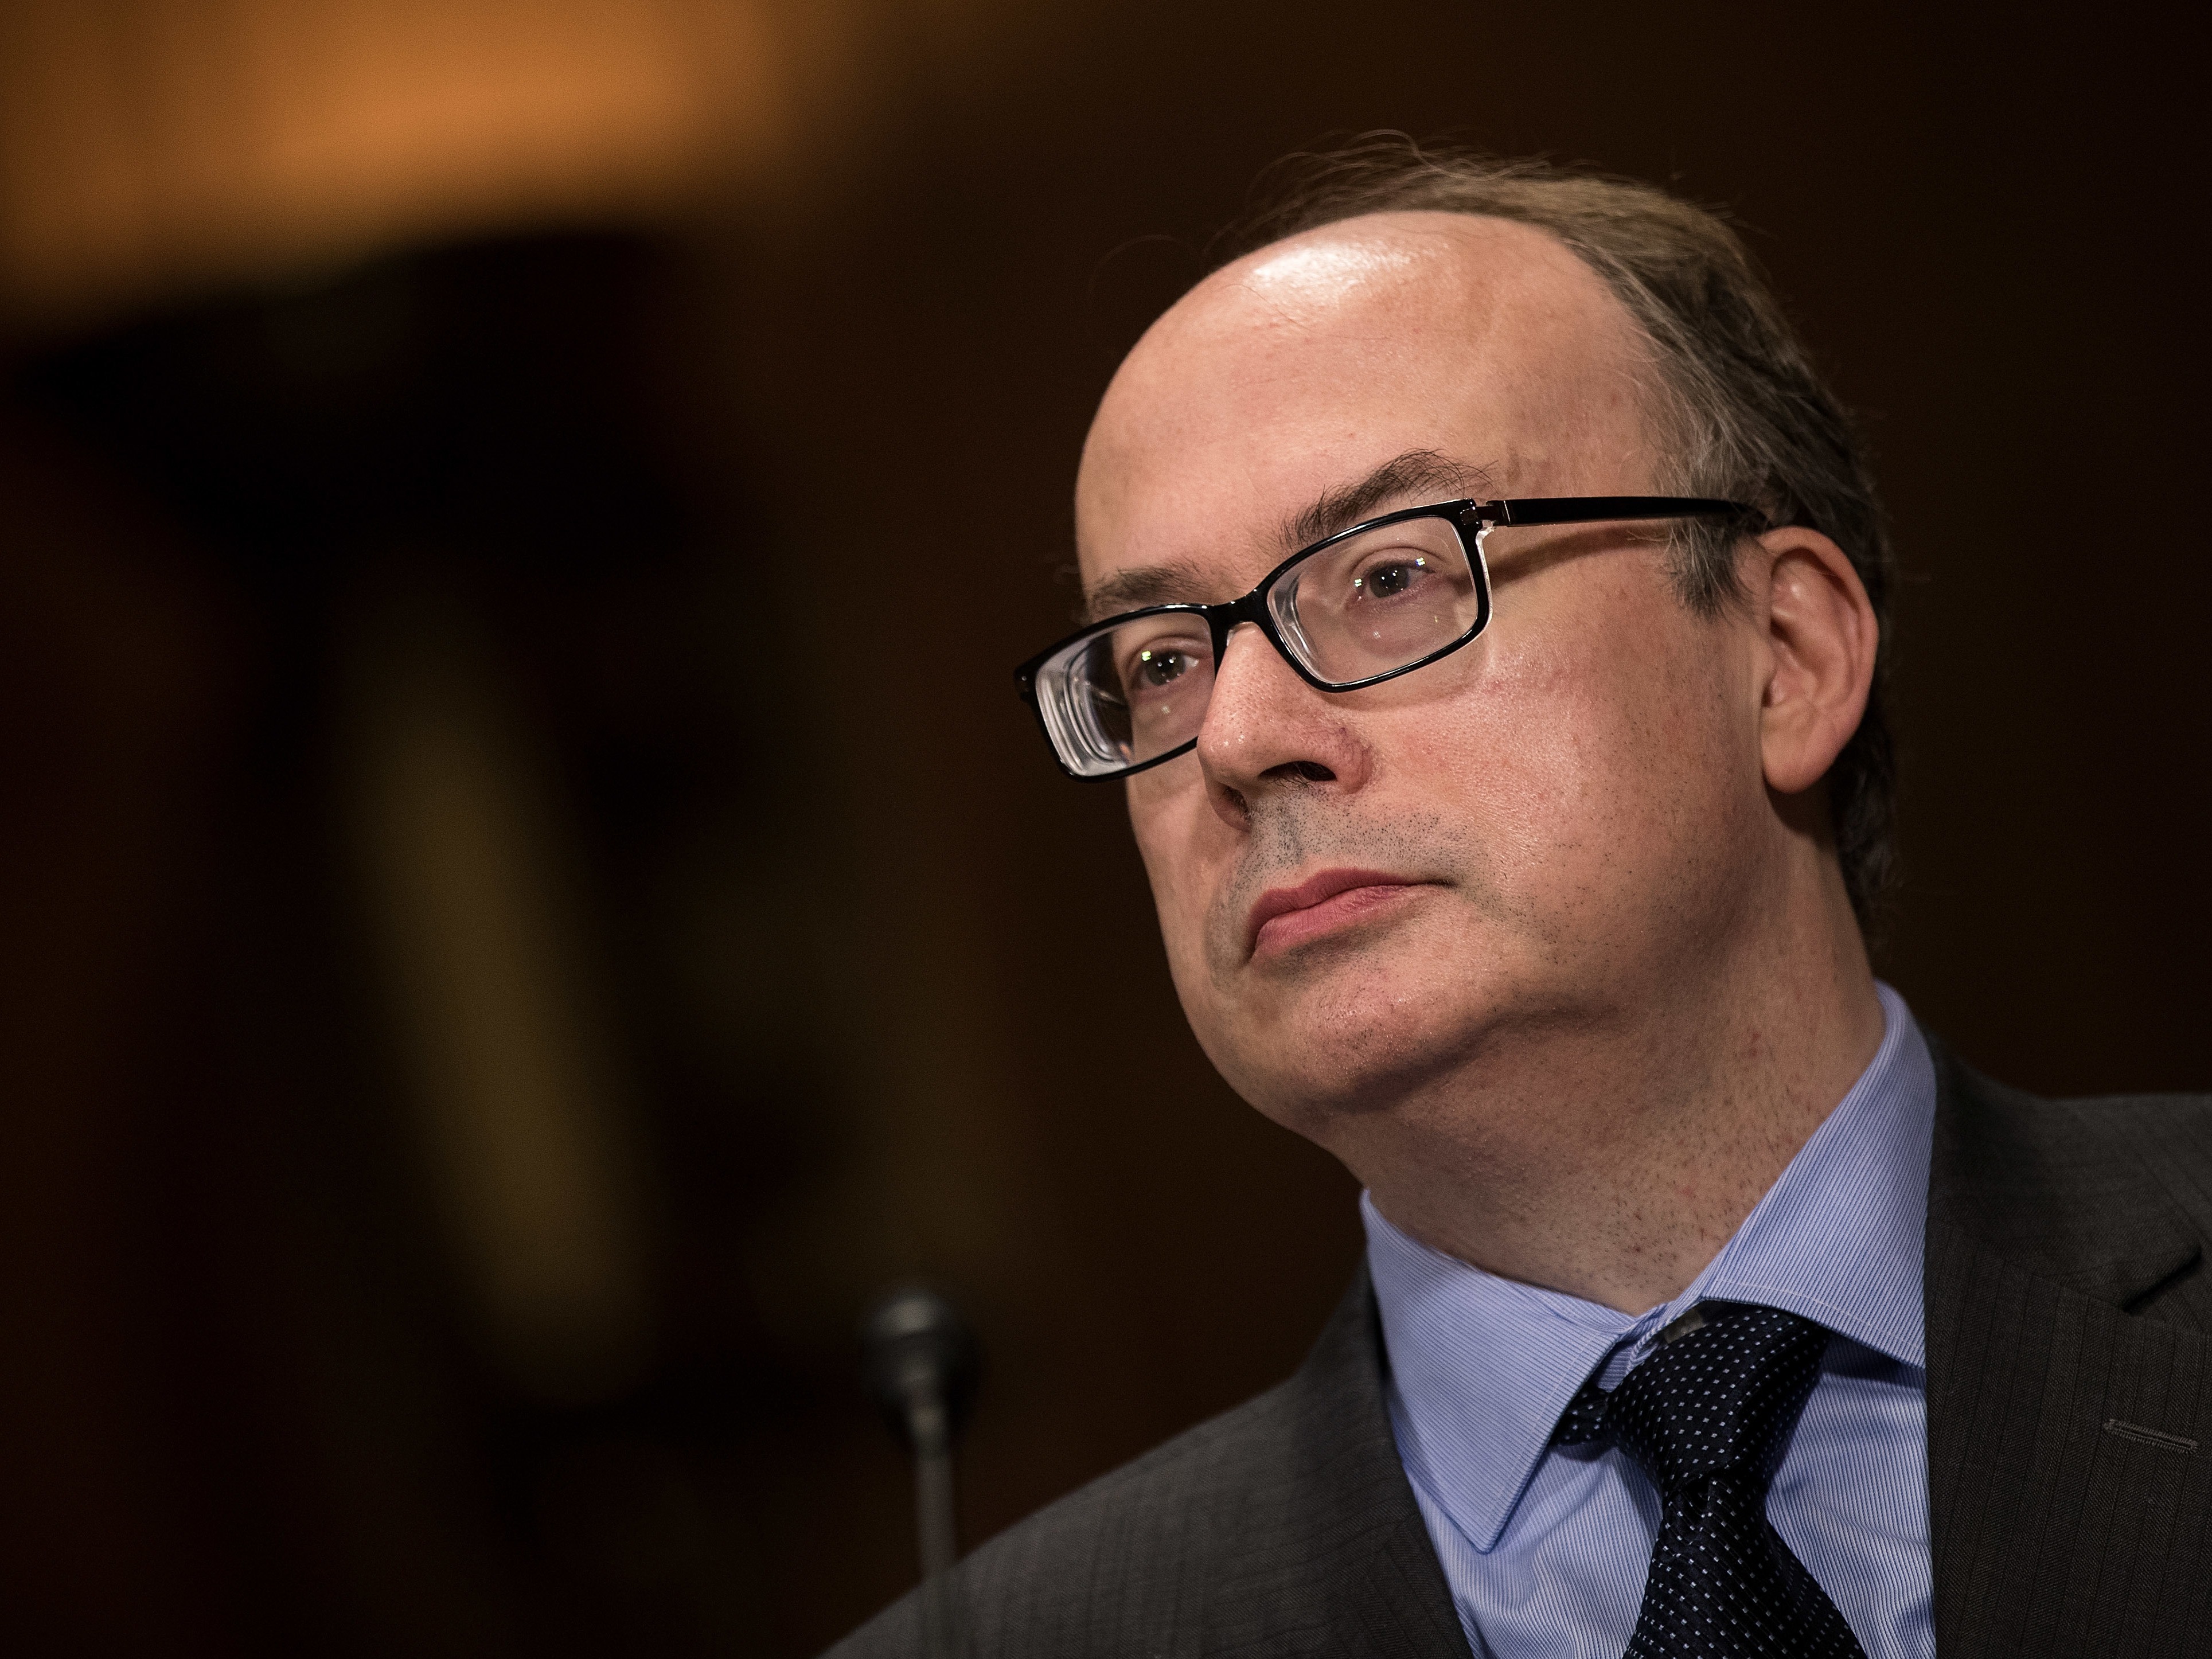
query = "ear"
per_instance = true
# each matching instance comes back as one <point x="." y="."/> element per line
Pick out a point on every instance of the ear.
<point x="1820" y="636"/>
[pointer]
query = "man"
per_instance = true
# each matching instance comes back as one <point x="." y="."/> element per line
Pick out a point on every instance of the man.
<point x="1487" y="621"/>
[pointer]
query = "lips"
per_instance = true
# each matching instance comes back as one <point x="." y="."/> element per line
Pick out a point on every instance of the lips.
<point x="1285" y="916"/>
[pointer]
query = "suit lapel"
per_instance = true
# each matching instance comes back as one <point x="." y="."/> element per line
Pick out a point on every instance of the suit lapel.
<point x="2069" y="1441"/>
<point x="1361" y="1580"/>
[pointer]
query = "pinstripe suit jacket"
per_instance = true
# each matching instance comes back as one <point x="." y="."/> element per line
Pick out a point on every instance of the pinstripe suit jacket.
<point x="2069" y="1440"/>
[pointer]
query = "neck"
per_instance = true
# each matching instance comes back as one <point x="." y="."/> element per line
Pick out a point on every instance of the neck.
<point x="1611" y="1155"/>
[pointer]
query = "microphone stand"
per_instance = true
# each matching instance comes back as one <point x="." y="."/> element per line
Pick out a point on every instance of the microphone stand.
<point x="919" y="1360"/>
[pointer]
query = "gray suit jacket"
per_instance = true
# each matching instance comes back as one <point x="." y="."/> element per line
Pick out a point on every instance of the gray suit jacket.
<point x="2069" y="1440"/>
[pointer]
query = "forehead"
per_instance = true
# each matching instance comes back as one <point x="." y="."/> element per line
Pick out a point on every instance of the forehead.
<point x="1301" y="369"/>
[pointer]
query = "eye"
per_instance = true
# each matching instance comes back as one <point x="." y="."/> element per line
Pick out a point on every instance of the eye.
<point x="1390" y="578"/>
<point x="1155" y="667"/>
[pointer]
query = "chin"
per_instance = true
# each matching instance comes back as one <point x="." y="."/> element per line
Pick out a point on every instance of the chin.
<point x="1353" y="1044"/>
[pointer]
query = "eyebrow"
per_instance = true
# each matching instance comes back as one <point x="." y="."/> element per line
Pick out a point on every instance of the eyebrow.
<point x="1425" y="472"/>
<point x="1416" y="472"/>
<point x="1146" y="583"/>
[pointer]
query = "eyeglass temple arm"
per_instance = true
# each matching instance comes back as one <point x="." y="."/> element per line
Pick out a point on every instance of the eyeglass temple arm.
<point x="1593" y="509"/>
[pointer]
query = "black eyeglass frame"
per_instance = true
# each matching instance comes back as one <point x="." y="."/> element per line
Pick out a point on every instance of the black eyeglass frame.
<point x="1468" y="519"/>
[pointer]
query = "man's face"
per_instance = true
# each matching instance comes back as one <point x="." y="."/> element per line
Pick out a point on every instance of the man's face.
<point x="1361" y="892"/>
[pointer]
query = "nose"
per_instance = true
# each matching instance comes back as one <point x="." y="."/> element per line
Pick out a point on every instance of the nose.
<point x="1266" y="729"/>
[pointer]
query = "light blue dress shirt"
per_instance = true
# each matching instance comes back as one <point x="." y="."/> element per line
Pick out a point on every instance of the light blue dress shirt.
<point x="1546" y="1548"/>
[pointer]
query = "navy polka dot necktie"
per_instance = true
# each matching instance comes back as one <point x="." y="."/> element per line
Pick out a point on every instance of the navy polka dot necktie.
<point x="1706" y="1418"/>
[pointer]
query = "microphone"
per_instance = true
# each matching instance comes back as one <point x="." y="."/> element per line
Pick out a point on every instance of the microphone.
<point x="919" y="1361"/>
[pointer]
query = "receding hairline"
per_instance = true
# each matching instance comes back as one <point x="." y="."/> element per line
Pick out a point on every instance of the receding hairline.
<point x="1440" y="225"/>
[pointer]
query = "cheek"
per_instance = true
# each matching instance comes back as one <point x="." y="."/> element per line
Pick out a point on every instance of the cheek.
<point x="1169" y="817"/>
<point x="1585" y="753"/>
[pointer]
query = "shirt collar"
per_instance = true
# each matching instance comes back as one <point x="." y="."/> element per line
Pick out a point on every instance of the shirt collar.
<point x="1481" y="1366"/>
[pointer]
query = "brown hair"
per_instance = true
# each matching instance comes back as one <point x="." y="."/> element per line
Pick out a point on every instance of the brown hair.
<point x="1743" y="414"/>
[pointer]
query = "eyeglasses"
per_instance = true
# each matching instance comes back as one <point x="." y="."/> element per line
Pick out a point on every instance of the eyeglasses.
<point x="1362" y="606"/>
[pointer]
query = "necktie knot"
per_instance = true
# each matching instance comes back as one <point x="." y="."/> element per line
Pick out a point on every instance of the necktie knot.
<point x="1720" y="1401"/>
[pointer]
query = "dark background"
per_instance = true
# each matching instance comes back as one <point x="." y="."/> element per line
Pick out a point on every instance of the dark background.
<point x="535" y="698"/>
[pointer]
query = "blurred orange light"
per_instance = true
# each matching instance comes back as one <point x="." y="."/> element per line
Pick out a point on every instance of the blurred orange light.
<point x="151" y="145"/>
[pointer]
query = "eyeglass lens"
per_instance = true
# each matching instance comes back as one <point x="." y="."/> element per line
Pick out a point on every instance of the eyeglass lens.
<point x="1355" y="609"/>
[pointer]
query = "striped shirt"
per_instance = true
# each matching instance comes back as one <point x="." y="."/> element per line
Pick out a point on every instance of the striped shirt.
<point x="1545" y="1549"/>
